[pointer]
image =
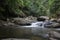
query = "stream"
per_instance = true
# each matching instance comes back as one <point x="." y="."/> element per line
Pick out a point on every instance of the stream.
<point x="36" y="24"/>
<point x="38" y="28"/>
<point x="35" y="29"/>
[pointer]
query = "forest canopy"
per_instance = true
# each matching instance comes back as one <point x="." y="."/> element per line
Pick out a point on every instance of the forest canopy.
<point x="23" y="8"/>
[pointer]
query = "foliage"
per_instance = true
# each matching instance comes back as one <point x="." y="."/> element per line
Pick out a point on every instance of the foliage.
<point x="29" y="7"/>
<point x="55" y="9"/>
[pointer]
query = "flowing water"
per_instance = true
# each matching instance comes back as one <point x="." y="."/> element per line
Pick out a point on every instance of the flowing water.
<point x="36" y="24"/>
<point x="37" y="28"/>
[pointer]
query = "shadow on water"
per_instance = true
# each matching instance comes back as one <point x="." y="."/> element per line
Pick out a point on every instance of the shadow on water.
<point x="18" y="32"/>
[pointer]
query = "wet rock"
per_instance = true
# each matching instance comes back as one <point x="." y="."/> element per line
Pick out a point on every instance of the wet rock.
<point x="52" y="39"/>
<point x="56" y="25"/>
<point x="55" y="34"/>
<point x="52" y="25"/>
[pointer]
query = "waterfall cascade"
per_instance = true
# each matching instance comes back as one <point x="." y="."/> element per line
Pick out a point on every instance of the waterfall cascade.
<point x="36" y="24"/>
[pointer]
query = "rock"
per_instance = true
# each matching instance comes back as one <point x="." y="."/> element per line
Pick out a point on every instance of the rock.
<point x="53" y="20"/>
<point x="52" y="39"/>
<point x="46" y="17"/>
<point x="42" y="18"/>
<point x="54" y="35"/>
<point x="56" y="25"/>
<point x="24" y="21"/>
<point x="58" y="20"/>
<point x="31" y="19"/>
<point x="9" y="24"/>
<point x="20" y="21"/>
<point x="52" y="25"/>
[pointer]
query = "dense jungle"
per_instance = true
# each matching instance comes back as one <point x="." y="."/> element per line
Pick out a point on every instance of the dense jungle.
<point x="30" y="19"/>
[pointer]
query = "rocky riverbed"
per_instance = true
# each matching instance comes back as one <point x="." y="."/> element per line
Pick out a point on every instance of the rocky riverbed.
<point x="16" y="28"/>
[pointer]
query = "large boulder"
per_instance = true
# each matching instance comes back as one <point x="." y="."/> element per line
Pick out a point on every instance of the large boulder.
<point x="52" y="25"/>
<point x="52" y="39"/>
<point x="56" y="25"/>
<point x="53" y="19"/>
<point x="42" y="18"/>
<point x="46" y="17"/>
<point x="24" y="21"/>
<point x="54" y="35"/>
<point x="20" y="21"/>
